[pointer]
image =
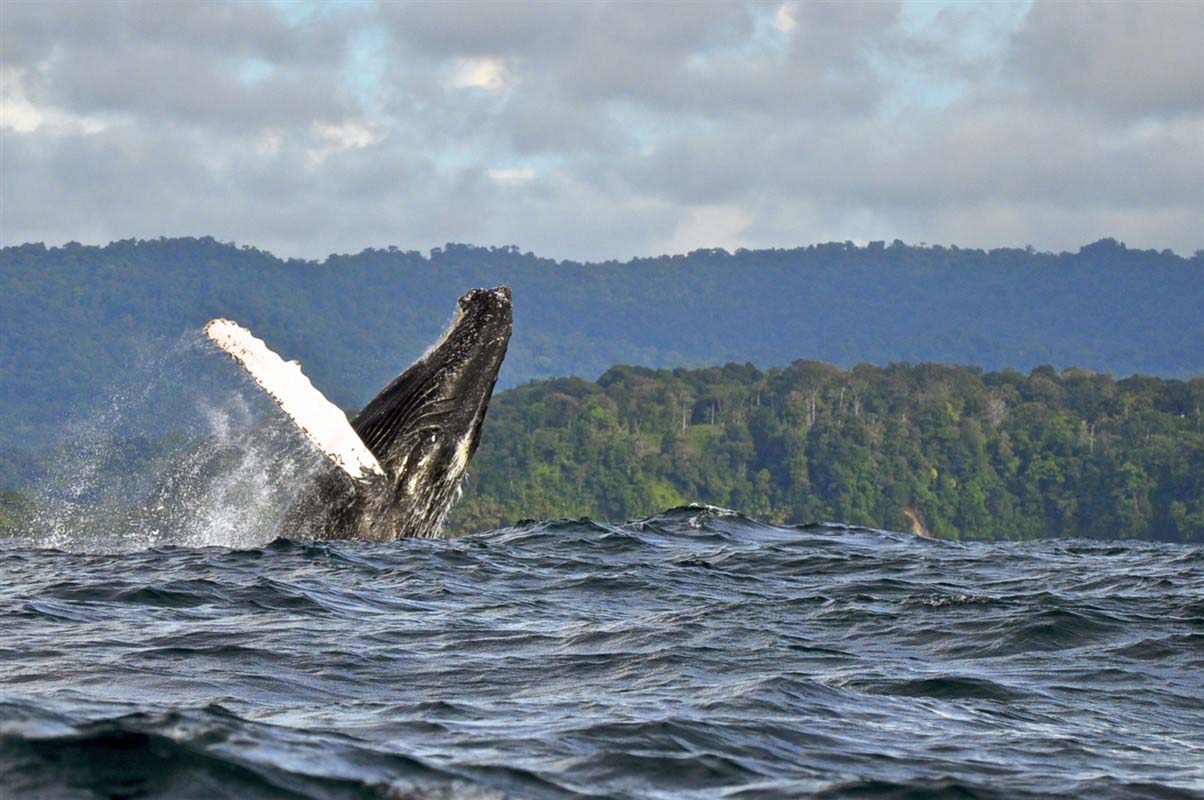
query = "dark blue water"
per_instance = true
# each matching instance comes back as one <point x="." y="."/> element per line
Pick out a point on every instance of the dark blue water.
<point x="694" y="654"/>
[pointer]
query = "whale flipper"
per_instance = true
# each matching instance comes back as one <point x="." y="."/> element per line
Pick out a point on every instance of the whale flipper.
<point x="319" y="419"/>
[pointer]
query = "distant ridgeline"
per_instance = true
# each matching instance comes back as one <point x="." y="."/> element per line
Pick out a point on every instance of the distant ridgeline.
<point x="75" y="320"/>
<point x="944" y="451"/>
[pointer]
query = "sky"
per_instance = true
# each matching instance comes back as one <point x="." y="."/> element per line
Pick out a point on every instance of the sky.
<point x="593" y="131"/>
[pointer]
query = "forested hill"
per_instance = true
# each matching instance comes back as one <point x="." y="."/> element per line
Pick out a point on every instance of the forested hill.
<point x="75" y="320"/>
<point x="947" y="451"/>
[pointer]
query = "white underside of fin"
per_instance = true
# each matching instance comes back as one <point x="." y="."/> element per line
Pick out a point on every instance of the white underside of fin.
<point x="321" y="420"/>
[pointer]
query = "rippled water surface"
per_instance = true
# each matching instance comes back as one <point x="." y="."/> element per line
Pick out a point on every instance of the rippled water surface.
<point x="693" y="654"/>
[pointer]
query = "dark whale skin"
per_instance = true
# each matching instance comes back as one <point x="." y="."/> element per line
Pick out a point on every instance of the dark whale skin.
<point x="423" y="428"/>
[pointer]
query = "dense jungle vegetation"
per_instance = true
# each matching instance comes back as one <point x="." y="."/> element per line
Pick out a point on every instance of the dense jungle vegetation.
<point x="945" y="451"/>
<point x="76" y="321"/>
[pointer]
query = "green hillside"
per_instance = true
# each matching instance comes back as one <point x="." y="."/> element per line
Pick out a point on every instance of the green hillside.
<point x="75" y="321"/>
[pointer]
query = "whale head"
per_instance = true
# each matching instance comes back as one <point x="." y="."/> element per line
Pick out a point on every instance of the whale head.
<point x="424" y="427"/>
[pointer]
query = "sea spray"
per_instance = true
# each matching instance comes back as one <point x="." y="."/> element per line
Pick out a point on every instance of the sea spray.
<point x="232" y="486"/>
<point x="184" y="451"/>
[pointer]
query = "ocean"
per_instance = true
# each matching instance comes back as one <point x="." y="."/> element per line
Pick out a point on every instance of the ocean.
<point x="694" y="654"/>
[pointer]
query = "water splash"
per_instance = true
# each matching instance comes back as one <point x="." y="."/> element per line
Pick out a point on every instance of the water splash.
<point x="224" y="475"/>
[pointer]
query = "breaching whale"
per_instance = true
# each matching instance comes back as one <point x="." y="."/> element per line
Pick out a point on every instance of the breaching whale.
<point x="395" y="469"/>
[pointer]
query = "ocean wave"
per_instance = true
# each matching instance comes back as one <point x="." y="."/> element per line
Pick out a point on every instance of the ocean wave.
<point x="695" y="653"/>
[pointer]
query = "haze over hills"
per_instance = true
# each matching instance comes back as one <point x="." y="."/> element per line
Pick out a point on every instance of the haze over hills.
<point x="76" y="316"/>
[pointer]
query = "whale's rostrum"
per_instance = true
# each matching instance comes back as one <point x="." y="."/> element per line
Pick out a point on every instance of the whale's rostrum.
<point x="395" y="469"/>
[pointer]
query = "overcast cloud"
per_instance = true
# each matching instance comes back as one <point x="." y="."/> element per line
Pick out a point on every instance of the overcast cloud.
<point x="592" y="131"/>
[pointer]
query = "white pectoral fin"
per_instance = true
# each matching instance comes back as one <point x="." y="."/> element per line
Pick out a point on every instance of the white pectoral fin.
<point x="321" y="420"/>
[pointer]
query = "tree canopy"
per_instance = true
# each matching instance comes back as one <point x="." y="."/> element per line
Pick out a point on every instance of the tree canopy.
<point x="942" y="451"/>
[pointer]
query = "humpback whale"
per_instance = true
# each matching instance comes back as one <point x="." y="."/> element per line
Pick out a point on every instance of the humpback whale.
<point x="395" y="469"/>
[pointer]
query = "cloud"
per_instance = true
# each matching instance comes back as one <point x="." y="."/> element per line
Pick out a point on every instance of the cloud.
<point x="785" y="18"/>
<point x="1127" y="59"/>
<point x="480" y="73"/>
<point x="174" y="63"/>
<point x="513" y="174"/>
<point x="588" y="130"/>
<point x="723" y="226"/>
